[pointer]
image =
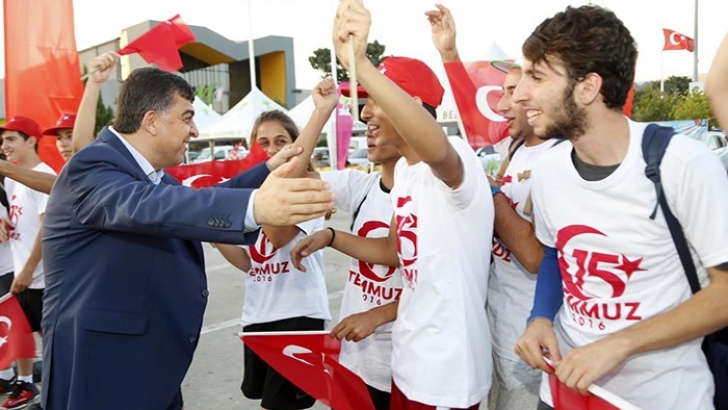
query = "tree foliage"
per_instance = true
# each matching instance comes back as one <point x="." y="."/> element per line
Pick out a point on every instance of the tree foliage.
<point x="676" y="103"/>
<point x="321" y="60"/>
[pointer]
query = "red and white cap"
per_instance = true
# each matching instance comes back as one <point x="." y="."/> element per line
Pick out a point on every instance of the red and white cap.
<point x="411" y="75"/>
<point x="24" y="125"/>
<point x="64" y="122"/>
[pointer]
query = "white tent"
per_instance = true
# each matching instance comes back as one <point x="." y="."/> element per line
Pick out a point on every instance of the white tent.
<point x="238" y="122"/>
<point x="204" y="115"/>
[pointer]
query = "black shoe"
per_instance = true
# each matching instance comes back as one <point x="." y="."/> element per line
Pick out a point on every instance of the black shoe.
<point x="6" y="385"/>
<point x="22" y="395"/>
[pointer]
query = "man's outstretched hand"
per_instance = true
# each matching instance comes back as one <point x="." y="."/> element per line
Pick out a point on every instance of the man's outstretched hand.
<point x="283" y="201"/>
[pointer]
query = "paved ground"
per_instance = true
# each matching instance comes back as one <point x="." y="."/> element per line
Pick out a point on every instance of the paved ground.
<point x="213" y="381"/>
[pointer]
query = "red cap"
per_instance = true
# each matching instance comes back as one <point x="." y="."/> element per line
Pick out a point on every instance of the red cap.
<point x="65" y="122"/>
<point x="411" y="75"/>
<point x="24" y="125"/>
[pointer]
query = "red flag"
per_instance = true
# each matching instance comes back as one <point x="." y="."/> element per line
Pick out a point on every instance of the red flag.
<point x="210" y="173"/>
<point x="477" y="88"/>
<point x="310" y="360"/>
<point x="677" y="41"/>
<point x="16" y="337"/>
<point x="42" y="67"/>
<point x="160" y="45"/>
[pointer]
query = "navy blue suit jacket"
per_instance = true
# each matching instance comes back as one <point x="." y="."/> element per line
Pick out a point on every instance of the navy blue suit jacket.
<point x="125" y="278"/>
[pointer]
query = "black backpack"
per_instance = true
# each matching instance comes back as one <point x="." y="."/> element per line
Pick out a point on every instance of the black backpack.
<point x="715" y="346"/>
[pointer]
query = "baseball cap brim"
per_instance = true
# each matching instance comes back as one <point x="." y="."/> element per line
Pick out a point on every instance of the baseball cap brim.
<point x="54" y="130"/>
<point x="346" y="91"/>
<point x="506" y="65"/>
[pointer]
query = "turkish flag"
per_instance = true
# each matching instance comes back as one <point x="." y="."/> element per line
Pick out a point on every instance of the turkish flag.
<point x="477" y="88"/>
<point x="16" y="337"/>
<point x="210" y="173"/>
<point x="310" y="360"/>
<point x="677" y="41"/>
<point x="161" y="43"/>
<point x="42" y="67"/>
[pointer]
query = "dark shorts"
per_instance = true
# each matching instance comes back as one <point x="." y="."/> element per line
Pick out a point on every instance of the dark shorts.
<point x="31" y="300"/>
<point x="261" y="381"/>
<point x="401" y="402"/>
<point x="6" y="281"/>
<point x="380" y="398"/>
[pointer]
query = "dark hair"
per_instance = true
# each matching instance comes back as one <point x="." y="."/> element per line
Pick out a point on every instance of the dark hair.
<point x="432" y="110"/>
<point x="275" y="115"/>
<point x="148" y="89"/>
<point x="588" y="39"/>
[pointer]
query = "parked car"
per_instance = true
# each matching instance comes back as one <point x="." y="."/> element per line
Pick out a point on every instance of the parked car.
<point x="320" y="157"/>
<point x="490" y="159"/>
<point x="222" y="152"/>
<point x="359" y="158"/>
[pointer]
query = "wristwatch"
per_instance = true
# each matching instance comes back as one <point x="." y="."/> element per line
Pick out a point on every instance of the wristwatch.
<point x="495" y="190"/>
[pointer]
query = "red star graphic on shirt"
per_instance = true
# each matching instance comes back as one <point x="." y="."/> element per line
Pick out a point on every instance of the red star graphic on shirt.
<point x="507" y="180"/>
<point x="629" y="266"/>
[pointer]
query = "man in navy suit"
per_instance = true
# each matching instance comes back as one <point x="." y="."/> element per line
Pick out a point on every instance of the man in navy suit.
<point x="126" y="287"/>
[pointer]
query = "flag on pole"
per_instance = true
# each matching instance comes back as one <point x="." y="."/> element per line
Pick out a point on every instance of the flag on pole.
<point x="344" y="130"/>
<point x="210" y="173"/>
<point x="16" y="336"/>
<point x="477" y="88"/>
<point x="42" y="66"/>
<point x="310" y="360"/>
<point x="160" y="45"/>
<point x="677" y="41"/>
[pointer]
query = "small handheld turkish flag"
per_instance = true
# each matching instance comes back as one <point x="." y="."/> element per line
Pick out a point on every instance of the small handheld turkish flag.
<point x="16" y="336"/>
<point x="310" y="360"/>
<point x="677" y="41"/>
<point x="161" y="44"/>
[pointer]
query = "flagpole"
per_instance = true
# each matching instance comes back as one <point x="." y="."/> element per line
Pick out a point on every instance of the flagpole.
<point x="662" y="73"/>
<point x="695" y="50"/>
<point x="251" y="47"/>
<point x="331" y="134"/>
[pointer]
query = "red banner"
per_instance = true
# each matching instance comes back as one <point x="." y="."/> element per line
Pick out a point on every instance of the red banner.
<point x="16" y="337"/>
<point x="310" y="360"/>
<point x="42" y="68"/>
<point x="160" y="45"/>
<point x="677" y="41"/>
<point x="210" y="173"/>
<point x="600" y="399"/>
<point x="477" y="88"/>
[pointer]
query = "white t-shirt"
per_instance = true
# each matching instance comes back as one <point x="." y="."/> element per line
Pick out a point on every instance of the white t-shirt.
<point x="441" y="352"/>
<point x="511" y="286"/>
<point x="276" y="290"/>
<point x="6" y="253"/>
<point x="620" y="267"/>
<point x="368" y="286"/>
<point x="26" y="207"/>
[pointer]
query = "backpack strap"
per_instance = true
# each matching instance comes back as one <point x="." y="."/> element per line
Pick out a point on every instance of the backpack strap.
<point x="654" y="144"/>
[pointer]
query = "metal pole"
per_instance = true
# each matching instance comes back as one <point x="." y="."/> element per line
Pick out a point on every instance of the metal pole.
<point x="695" y="51"/>
<point x="251" y="48"/>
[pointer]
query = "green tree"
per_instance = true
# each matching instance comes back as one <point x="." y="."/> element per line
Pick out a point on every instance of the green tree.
<point x="674" y="85"/>
<point x="692" y="106"/>
<point x="321" y="60"/>
<point x="652" y="105"/>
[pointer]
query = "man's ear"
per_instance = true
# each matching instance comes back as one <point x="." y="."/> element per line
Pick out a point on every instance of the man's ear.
<point x="418" y="99"/>
<point x="589" y="89"/>
<point x="150" y="122"/>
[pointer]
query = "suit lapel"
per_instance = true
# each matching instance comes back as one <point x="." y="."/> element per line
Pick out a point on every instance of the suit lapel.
<point x="112" y="140"/>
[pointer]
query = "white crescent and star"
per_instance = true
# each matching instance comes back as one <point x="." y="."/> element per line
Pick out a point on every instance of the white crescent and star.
<point x="481" y="101"/>
<point x="675" y="35"/>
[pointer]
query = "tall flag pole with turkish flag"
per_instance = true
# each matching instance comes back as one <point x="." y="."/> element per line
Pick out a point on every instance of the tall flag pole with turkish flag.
<point x="674" y="41"/>
<point x="160" y="45"/>
<point x="42" y="66"/>
<point x="310" y="360"/>
<point x="16" y="336"/>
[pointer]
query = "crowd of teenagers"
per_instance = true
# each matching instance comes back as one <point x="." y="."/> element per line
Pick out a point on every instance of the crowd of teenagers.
<point x="464" y="291"/>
